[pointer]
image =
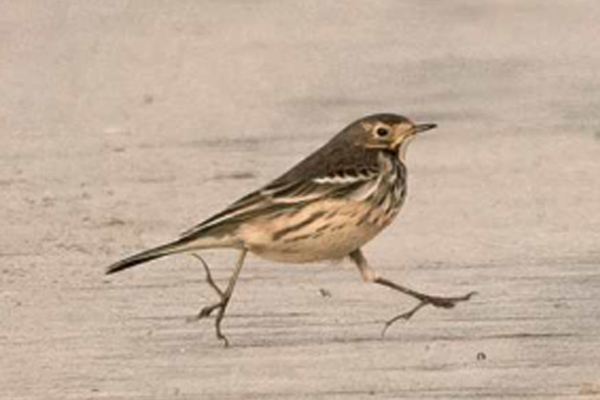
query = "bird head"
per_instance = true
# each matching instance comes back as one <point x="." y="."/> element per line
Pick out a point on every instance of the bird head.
<point x="387" y="132"/>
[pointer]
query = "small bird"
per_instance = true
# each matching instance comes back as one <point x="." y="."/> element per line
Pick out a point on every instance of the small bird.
<point x="327" y="207"/>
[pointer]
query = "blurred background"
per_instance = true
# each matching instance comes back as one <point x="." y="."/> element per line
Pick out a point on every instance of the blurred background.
<point x="123" y="123"/>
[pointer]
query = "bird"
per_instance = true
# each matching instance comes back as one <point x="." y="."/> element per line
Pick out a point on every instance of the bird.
<point x="326" y="207"/>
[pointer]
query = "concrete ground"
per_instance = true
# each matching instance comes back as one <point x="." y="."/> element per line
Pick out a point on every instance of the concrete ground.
<point x="123" y="123"/>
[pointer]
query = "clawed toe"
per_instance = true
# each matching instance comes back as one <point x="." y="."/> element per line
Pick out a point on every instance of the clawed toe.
<point x="425" y="300"/>
<point x="446" y="302"/>
<point x="224" y="296"/>
<point x="206" y="311"/>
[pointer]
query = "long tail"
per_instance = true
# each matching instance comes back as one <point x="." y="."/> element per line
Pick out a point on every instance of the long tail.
<point x="149" y="255"/>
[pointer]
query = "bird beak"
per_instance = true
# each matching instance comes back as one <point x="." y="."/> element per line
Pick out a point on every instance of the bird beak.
<point x="423" y="128"/>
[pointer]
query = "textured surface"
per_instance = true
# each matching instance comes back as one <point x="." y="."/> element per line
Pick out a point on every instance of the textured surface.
<point x="124" y="123"/>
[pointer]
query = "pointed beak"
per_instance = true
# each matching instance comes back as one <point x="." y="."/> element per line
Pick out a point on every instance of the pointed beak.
<point x="423" y="128"/>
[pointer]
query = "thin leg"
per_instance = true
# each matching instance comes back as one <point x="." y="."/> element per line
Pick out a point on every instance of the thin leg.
<point x="369" y="275"/>
<point x="225" y="296"/>
<point x="209" y="277"/>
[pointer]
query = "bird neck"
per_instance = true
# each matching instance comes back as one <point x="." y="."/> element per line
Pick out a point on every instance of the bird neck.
<point x="396" y="156"/>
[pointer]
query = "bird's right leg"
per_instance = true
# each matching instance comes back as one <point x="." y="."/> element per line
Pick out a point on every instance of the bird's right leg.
<point x="369" y="275"/>
<point x="225" y="296"/>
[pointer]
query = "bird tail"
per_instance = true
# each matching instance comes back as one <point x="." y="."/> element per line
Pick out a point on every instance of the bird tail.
<point x="149" y="255"/>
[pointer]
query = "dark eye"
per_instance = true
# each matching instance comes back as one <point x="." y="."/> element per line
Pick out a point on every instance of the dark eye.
<point x="382" y="132"/>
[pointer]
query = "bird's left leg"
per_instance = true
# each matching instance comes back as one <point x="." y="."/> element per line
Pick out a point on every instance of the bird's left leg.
<point x="369" y="275"/>
<point x="225" y="296"/>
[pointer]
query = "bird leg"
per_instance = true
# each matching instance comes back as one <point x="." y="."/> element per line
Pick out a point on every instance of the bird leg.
<point x="424" y="299"/>
<point x="225" y="296"/>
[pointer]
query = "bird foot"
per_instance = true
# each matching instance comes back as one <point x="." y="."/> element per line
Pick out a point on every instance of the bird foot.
<point x="426" y="300"/>
<point x="208" y="310"/>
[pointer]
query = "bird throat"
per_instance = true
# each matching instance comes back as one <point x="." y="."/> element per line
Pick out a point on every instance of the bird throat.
<point x="401" y="150"/>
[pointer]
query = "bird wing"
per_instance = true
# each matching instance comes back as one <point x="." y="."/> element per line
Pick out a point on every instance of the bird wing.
<point x="309" y="181"/>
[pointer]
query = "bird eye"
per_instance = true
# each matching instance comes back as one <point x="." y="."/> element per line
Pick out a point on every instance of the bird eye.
<point x="382" y="132"/>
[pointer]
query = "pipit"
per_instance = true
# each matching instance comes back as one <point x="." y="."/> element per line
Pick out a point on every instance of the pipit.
<point x="327" y="207"/>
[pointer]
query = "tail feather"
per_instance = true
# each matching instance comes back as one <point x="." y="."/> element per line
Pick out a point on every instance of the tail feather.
<point x="205" y="239"/>
<point x="147" y="255"/>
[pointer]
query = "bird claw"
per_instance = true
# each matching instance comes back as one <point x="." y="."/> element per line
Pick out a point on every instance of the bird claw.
<point x="205" y="312"/>
<point x="425" y="300"/>
<point x="446" y="302"/>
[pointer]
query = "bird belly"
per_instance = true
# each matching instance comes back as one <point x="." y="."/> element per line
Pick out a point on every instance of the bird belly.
<point x="324" y="231"/>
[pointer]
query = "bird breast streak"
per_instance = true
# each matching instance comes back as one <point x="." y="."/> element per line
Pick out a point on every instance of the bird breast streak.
<point x="331" y="229"/>
<point x="326" y="231"/>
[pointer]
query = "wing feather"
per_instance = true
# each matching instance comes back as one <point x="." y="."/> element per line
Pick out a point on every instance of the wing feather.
<point x="274" y="199"/>
<point x="328" y="173"/>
